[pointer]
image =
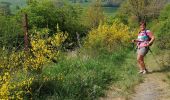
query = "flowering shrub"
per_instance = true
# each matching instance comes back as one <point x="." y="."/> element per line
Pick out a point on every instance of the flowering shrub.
<point x="110" y="37"/>
<point x="16" y="65"/>
<point x="4" y="82"/>
<point x="44" y="49"/>
<point x="11" y="87"/>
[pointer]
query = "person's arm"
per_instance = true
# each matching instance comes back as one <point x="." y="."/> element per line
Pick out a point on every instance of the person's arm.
<point x="152" y="38"/>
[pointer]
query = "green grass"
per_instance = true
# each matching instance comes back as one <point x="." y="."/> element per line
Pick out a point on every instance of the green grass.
<point x="86" y="78"/>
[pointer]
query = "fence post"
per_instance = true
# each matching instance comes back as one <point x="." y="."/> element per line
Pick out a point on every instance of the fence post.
<point x="25" y="26"/>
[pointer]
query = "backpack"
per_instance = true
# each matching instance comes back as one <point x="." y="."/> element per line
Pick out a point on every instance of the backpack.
<point x="146" y="34"/>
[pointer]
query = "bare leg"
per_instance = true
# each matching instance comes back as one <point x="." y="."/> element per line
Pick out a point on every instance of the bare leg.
<point x="141" y="63"/>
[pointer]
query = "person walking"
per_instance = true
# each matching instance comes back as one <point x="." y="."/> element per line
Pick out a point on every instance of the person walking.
<point x="144" y="40"/>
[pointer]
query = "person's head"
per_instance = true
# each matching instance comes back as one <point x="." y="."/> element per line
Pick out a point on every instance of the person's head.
<point x="142" y="25"/>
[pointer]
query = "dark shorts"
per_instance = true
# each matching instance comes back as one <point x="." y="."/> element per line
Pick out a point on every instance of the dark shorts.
<point x="142" y="51"/>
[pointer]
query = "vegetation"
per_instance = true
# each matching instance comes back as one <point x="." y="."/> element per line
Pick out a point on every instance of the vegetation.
<point x="109" y="37"/>
<point x="95" y="14"/>
<point x="163" y="29"/>
<point x="75" y="53"/>
<point x="84" y="77"/>
<point x="134" y="11"/>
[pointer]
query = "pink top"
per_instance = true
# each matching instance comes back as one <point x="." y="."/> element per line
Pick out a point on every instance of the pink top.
<point x="144" y="38"/>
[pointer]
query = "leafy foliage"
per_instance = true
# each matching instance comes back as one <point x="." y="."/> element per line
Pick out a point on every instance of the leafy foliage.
<point x="95" y="14"/>
<point x="132" y="12"/>
<point x="50" y="14"/>
<point x="10" y="30"/>
<point x="163" y="29"/>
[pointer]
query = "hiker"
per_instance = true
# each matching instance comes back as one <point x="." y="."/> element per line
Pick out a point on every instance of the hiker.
<point x="144" y="40"/>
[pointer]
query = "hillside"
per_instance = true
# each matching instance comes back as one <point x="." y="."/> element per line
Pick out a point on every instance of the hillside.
<point x="109" y="7"/>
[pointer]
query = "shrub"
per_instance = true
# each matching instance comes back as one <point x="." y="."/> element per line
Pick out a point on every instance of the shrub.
<point x="17" y="67"/>
<point x="163" y="29"/>
<point x="109" y="37"/>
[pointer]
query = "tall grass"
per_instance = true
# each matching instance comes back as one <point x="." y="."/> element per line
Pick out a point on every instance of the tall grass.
<point x="85" y="77"/>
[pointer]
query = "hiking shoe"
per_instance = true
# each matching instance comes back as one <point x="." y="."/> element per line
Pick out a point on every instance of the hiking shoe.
<point x="145" y="71"/>
<point x="140" y="72"/>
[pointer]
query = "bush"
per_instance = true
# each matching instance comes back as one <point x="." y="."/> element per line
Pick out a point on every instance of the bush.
<point x="163" y="29"/>
<point x="45" y="49"/>
<point x="109" y="37"/>
<point x="10" y="30"/>
<point x="17" y="69"/>
<point x="52" y="14"/>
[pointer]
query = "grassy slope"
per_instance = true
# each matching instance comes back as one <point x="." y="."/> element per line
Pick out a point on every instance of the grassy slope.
<point x="85" y="77"/>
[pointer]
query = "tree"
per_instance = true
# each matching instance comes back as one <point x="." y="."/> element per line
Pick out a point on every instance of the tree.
<point x="95" y="14"/>
<point x="50" y="13"/>
<point x="143" y="9"/>
<point x="146" y="8"/>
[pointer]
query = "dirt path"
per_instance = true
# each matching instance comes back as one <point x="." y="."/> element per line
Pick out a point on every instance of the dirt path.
<point x="154" y="87"/>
